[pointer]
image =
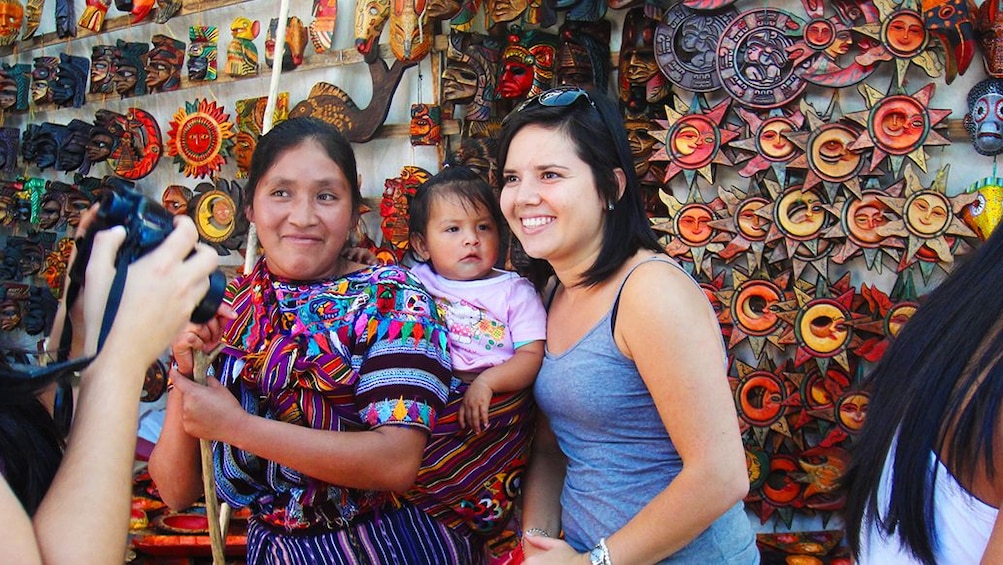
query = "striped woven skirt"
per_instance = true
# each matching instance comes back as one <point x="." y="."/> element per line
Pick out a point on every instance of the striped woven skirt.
<point x="405" y="536"/>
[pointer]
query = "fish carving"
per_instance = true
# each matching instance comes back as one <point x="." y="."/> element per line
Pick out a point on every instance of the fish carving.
<point x="333" y="105"/>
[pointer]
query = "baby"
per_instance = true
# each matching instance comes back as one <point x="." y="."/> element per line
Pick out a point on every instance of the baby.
<point x="496" y="320"/>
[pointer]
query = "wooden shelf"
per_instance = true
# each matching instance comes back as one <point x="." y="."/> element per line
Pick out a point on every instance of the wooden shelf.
<point x="110" y="24"/>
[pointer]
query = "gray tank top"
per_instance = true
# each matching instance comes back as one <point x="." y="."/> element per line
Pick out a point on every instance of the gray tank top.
<point x="619" y="454"/>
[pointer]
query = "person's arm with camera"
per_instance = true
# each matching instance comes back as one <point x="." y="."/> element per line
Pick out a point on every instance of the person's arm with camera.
<point x="94" y="479"/>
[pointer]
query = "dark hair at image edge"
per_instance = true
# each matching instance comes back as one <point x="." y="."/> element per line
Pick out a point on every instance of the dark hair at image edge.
<point x="927" y="391"/>
<point x="31" y="445"/>
<point x="458" y="181"/>
<point x="293" y="133"/>
<point x="627" y="228"/>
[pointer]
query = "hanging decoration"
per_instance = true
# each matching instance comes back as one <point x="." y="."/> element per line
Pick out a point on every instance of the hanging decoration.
<point x="70" y="85"/>
<point x="694" y="139"/>
<point x="753" y="62"/>
<point x="746" y="222"/>
<point x="370" y="17"/>
<point x="66" y="15"/>
<point x="693" y="238"/>
<point x="333" y="105"/>
<point x="250" y="119"/>
<point x="862" y="220"/>
<point x="139" y="144"/>
<point x="94" y="15"/>
<point x="163" y="64"/>
<point x="325" y="16"/>
<point x="685" y="45"/>
<point x="903" y="39"/>
<point x="32" y="17"/>
<point x="15" y="86"/>
<point x="426" y="124"/>
<point x="11" y="17"/>
<point x="930" y="221"/>
<point x="202" y="52"/>
<point x="242" y="54"/>
<point x="395" y="208"/>
<point x="296" y="40"/>
<point x="753" y="304"/>
<point x="983" y="214"/>
<point x="899" y="126"/>
<point x="200" y="138"/>
<point x="984" y="120"/>
<point x="768" y="141"/>
<point x="828" y="48"/>
<point x="218" y="212"/>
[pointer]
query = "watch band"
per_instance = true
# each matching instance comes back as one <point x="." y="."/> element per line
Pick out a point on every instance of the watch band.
<point x="599" y="555"/>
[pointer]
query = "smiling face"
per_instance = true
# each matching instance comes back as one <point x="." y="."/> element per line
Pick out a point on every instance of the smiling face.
<point x="864" y="217"/>
<point x="461" y="240"/>
<point x="304" y="213"/>
<point x="830" y="153"/>
<point x="905" y="34"/>
<point x="927" y="213"/>
<point x="693" y="225"/>
<point x="550" y="200"/>
<point x="771" y="140"/>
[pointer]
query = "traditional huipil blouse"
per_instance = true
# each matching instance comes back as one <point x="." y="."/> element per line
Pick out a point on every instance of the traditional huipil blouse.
<point x="353" y="353"/>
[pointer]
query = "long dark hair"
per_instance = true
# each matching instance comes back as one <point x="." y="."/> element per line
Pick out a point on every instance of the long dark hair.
<point x="31" y="443"/>
<point x="627" y="228"/>
<point x="938" y="389"/>
<point x="293" y="133"/>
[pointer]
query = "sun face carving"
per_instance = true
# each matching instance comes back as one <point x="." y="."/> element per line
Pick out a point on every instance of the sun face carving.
<point x="822" y="325"/>
<point x="903" y="38"/>
<point x="745" y="222"/>
<point x="693" y="238"/>
<point x="200" y="137"/>
<point x="898" y="126"/>
<point x="930" y="221"/>
<point x="754" y="305"/>
<point x="769" y="142"/>
<point x="693" y="141"/>
<point x="863" y="218"/>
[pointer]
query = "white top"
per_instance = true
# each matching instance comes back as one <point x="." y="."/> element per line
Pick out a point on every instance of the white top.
<point x="962" y="523"/>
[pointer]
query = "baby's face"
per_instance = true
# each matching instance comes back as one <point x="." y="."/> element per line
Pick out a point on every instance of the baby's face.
<point x="461" y="239"/>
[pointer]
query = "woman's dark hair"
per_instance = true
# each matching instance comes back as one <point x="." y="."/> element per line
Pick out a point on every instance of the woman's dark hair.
<point x="600" y="140"/>
<point x="936" y="391"/>
<point x="293" y="133"/>
<point x="456" y="181"/>
<point x="31" y="444"/>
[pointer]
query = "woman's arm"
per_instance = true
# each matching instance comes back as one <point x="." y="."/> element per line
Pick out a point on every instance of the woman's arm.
<point x="359" y="459"/>
<point x="95" y="476"/>
<point x="541" y="506"/>
<point x="667" y="327"/>
<point x="175" y="463"/>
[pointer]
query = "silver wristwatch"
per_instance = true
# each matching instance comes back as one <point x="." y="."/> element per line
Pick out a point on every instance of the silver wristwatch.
<point x="599" y="555"/>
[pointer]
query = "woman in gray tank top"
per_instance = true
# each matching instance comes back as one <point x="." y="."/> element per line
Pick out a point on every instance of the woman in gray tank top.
<point x="638" y="456"/>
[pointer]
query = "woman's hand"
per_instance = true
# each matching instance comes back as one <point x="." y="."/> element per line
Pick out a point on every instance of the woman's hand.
<point x="201" y="337"/>
<point x="541" y="549"/>
<point x="209" y="410"/>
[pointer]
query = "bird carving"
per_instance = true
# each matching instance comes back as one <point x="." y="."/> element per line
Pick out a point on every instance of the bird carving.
<point x="333" y="105"/>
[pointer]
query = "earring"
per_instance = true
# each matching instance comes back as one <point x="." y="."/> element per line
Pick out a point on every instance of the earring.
<point x="610" y="206"/>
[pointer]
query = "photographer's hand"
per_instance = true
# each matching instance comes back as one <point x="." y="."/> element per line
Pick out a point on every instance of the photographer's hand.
<point x="161" y="290"/>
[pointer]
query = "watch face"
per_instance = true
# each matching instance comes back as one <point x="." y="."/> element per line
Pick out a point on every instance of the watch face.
<point x="595" y="556"/>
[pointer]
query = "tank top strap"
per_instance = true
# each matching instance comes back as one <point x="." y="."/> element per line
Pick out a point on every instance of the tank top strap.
<point x="616" y="301"/>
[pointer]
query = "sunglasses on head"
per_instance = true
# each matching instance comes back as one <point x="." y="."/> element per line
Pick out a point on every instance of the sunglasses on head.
<point x="564" y="96"/>
<point x="556" y="98"/>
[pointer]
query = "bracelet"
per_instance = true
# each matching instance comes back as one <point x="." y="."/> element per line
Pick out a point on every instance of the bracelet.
<point x="536" y="532"/>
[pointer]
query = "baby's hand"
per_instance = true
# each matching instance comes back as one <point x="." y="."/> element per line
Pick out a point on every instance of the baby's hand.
<point x="474" y="412"/>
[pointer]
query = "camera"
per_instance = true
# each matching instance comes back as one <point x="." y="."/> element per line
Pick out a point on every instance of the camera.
<point x="147" y="224"/>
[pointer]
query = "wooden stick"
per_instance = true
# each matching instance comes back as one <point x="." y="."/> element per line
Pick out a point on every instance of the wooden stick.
<point x="216" y="526"/>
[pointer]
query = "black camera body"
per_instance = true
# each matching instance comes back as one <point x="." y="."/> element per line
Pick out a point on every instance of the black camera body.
<point x="147" y="224"/>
